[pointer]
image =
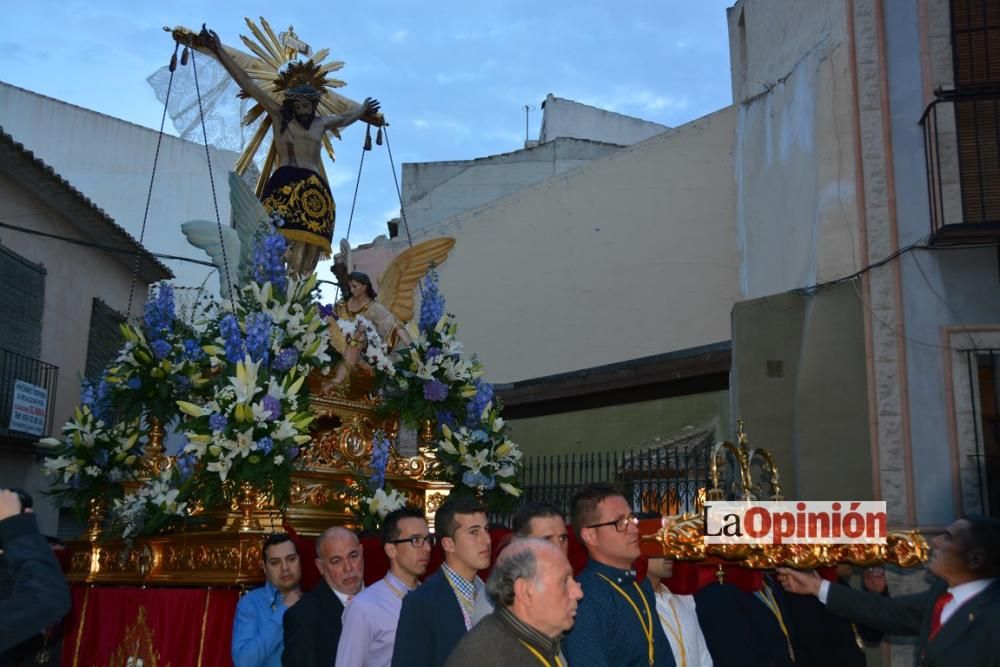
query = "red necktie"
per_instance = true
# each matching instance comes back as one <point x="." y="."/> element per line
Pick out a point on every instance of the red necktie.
<point x="938" y="608"/>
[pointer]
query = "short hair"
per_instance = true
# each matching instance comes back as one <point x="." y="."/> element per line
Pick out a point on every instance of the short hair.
<point x="444" y="519"/>
<point x="273" y="539"/>
<point x="521" y="523"/>
<point x="586" y="500"/>
<point x="390" y="525"/>
<point x="517" y="561"/>
<point x="983" y="534"/>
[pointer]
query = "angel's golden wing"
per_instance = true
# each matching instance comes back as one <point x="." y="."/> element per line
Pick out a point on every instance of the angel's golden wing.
<point x="399" y="279"/>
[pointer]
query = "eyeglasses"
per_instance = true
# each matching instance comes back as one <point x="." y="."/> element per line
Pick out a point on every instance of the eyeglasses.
<point x="416" y="541"/>
<point x="621" y="524"/>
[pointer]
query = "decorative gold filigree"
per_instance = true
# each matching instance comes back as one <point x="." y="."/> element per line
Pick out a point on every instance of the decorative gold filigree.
<point x="137" y="649"/>
<point x="683" y="538"/>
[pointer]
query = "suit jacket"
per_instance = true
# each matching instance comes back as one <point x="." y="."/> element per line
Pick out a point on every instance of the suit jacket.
<point x="430" y="625"/>
<point x="739" y="630"/>
<point x="969" y="638"/>
<point x="312" y="629"/>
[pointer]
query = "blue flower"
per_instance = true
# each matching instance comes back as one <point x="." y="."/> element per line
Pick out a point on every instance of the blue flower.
<point x="229" y="327"/>
<point x="134" y="382"/>
<point x="265" y="445"/>
<point x="192" y="350"/>
<point x="478" y="480"/>
<point x="447" y="418"/>
<point x="479" y="436"/>
<point x="101" y="457"/>
<point x="259" y="337"/>
<point x="269" y="260"/>
<point x="160" y="348"/>
<point x="158" y="314"/>
<point x="325" y="310"/>
<point x="185" y="465"/>
<point x="273" y="405"/>
<point x="431" y="301"/>
<point x="474" y="408"/>
<point x="380" y="458"/>
<point x="217" y="422"/>
<point x="435" y="390"/>
<point x="433" y="353"/>
<point x="287" y="358"/>
<point x="292" y="453"/>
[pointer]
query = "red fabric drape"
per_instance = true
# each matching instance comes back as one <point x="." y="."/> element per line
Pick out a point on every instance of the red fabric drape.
<point x="184" y="626"/>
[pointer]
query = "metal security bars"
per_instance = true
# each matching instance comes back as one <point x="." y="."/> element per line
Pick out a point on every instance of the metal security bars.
<point x="14" y="367"/>
<point x="984" y="385"/>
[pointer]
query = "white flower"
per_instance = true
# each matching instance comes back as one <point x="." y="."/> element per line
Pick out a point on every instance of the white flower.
<point x="245" y="382"/>
<point x="279" y="459"/>
<point x="93" y="471"/>
<point x="382" y="503"/>
<point x="222" y="467"/>
<point x="476" y="462"/>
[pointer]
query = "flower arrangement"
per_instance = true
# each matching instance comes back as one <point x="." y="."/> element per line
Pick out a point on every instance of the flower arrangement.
<point x="432" y="376"/>
<point x="483" y="459"/>
<point x="254" y="415"/>
<point x="160" y="362"/>
<point x="94" y="456"/>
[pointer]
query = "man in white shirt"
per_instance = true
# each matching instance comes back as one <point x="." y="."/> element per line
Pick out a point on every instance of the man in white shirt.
<point x="678" y="617"/>
<point x="956" y="620"/>
<point x="369" y="622"/>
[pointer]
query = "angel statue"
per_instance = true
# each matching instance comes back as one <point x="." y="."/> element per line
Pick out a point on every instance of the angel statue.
<point x="360" y="315"/>
<point x="297" y="193"/>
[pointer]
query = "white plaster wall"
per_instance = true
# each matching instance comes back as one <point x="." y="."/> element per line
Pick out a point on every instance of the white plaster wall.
<point x="111" y="161"/>
<point x="566" y="118"/>
<point x="433" y="191"/>
<point x="630" y="255"/>
<point x="794" y="165"/>
<point x="75" y="276"/>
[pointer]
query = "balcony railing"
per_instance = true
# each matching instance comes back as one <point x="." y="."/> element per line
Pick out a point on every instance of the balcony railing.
<point x="962" y="154"/>
<point x="16" y="367"/>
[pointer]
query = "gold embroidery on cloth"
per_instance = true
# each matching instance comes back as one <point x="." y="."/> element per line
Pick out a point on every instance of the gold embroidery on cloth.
<point x="136" y="649"/>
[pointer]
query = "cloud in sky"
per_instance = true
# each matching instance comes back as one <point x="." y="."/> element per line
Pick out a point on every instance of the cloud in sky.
<point x="453" y="76"/>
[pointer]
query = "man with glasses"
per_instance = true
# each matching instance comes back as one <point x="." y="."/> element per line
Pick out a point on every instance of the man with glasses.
<point x="369" y="631"/>
<point x="436" y="616"/>
<point x="616" y="622"/>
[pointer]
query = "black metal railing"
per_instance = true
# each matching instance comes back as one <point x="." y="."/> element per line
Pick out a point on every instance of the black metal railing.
<point x="962" y="155"/>
<point x="664" y="479"/>
<point x="17" y="367"/>
<point x="984" y="385"/>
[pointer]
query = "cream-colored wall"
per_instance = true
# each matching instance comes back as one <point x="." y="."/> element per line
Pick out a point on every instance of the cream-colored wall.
<point x="618" y="427"/>
<point x="75" y="276"/>
<point x="795" y="194"/>
<point x="630" y="255"/>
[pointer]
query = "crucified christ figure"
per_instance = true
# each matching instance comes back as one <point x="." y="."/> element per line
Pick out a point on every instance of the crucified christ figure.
<point x="297" y="190"/>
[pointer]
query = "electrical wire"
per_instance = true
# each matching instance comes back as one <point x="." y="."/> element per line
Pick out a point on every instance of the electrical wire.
<point x="101" y="246"/>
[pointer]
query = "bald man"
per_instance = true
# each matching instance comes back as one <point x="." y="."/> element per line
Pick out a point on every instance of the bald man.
<point x="312" y="626"/>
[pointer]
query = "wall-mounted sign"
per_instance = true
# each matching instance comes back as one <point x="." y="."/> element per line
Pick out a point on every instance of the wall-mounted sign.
<point x="27" y="414"/>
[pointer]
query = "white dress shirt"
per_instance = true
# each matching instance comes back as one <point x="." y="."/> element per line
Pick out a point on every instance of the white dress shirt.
<point x="680" y="624"/>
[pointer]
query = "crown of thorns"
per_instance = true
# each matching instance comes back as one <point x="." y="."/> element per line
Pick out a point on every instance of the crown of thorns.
<point x="303" y="93"/>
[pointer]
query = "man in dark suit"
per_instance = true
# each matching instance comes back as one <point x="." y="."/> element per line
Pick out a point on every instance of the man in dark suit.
<point x="312" y="626"/>
<point x="956" y="620"/>
<point x="435" y="616"/>
<point x="742" y="630"/>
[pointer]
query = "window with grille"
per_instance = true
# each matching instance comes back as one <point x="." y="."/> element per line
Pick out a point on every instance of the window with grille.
<point x="22" y="302"/>
<point x="104" y="340"/>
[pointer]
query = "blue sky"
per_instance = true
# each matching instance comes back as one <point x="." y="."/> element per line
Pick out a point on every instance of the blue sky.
<point x="453" y="77"/>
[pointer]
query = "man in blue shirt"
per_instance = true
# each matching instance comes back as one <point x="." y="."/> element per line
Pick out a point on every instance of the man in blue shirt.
<point x="616" y="621"/>
<point x="257" y="629"/>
